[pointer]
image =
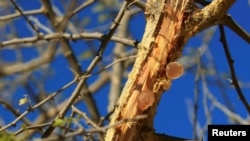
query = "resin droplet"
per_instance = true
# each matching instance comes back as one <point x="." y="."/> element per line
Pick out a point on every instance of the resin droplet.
<point x="174" y="70"/>
<point x="145" y="99"/>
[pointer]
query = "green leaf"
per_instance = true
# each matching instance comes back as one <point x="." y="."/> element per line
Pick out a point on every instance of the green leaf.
<point x="59" y="122"/>
<point x="6" y="136"/>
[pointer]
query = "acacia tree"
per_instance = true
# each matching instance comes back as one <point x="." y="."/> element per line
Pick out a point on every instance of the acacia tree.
<point x="57" y="29"/>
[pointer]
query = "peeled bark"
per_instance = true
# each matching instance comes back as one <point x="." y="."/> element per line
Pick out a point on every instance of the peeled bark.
<point x="169" y="25"/>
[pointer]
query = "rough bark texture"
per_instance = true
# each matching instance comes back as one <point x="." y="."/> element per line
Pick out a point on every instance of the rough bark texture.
<point x="161" y="44"/>
<point x="170" y="23"/>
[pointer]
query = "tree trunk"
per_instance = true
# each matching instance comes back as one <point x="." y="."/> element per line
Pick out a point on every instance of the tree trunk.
<point x="170" y="23"/>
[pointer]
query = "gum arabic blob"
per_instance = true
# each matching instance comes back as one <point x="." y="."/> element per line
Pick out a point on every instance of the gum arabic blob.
<point x="145" y="99"/>
<point x="174" y="70"/>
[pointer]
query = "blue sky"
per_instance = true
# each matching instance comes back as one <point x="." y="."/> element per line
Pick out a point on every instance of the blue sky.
<point x="173" y="115"/>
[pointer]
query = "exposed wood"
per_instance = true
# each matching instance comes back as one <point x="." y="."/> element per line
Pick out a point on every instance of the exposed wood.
<point x="170" y="23"/>
<point x="162" y="43"/>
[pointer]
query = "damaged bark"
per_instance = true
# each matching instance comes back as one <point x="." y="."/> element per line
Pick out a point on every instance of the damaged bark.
<point x="169" y="26"/>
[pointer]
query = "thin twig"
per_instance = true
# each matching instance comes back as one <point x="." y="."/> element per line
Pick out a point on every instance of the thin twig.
<point x="25" y="17"/>
<point x="207" y="110"/>
<point x="34" y="127"/>
<point x="46" y="57"/>
<point x="94" y="62"/>
<point x="233" y="74"/>
<point x="196" y="95"/>
<point x="50" y="97"/>
<point x="82" y="6"/>
<point x="229" y="22"/>
<point x="231" y="115"/>
<point x="113" y="63"/>
<point x="95" y="130"/>
<point x="14" y="111"/>
<point x="29" y="41"/>
<point x="114" y="26"/>
<point x="138" y="3"/>
<point x="18" y="14"/>
<point x="88" y="121"/>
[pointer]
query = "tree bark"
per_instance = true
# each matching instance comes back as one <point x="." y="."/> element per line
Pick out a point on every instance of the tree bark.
<point x="170" y="23"/>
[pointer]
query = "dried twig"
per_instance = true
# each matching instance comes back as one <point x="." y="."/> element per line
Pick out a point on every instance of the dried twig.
<point x="233" y="74"/>
<point x="25" y="17"/>
<point x="90" y="68"/>
<point x="229" y="22"/>
<point x="55" y="36"/>
<point x="14" y="111"/>
<point x="50" y="97"/>
<point x="82" y="6"/>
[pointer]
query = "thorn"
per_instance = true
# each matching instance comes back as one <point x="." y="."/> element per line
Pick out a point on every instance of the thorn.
<point x="74" y="72"/>
<point x="230" y="81"/>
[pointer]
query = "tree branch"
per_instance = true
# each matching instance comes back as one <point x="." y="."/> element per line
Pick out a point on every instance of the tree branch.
<point x="157" y="48"/>
<point x="182" y="20"/>
<point x="74" y="37"/>
<point x="208" y="16"/>
<point x="94" y="62"/>
<point x="233" y="74"/>
<point x="229" y="22"/>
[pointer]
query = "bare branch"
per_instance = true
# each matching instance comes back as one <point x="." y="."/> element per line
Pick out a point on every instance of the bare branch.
<point x="208" y="16"/>
<point x="82" y="6"/>
<point x="29" y="41"/>
<point x="229" y="22"/>
<point x="89" y="69"/>
<point x="14" y="111"/>
<point x="170" y="24"/>
<point x="233" y="74"/>
<point x="30" y="23"/>
<point x="88" y="121"/>
<point x="24" y="13"/>
<point x="50" y="97"/>
<point x="38" y="62"/>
